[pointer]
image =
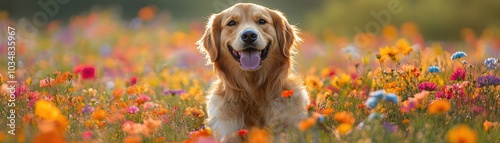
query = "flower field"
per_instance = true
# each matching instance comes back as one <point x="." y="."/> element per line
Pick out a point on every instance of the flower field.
<point x="98" y="78"/>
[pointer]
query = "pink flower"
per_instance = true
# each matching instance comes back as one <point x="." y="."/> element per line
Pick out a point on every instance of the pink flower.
<point x="458" y="75"/>
<point x="429" y="86"/>
<point x="421" y="95"/>
<point x="87" y="135"/>
<point x="133" y="80"/>
<point x="132" y="109"/>
<point x="408" y="105"/>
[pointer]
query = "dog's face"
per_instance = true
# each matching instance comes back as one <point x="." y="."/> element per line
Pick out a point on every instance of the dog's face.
<point x="246" y="35"/>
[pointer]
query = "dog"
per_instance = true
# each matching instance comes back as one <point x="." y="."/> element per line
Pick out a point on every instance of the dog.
<point x="251" y="49"/>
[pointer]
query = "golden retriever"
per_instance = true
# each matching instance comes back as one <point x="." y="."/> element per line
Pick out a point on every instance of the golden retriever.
<point x="251" y="48"/>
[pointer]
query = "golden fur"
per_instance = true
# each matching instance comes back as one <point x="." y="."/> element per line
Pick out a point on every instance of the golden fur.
<point x="240" y="99"/>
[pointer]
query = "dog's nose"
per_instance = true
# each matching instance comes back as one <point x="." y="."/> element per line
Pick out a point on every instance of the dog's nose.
<point x="249" y="36"/>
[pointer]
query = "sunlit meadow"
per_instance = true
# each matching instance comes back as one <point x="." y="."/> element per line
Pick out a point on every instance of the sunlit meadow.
<point x="98" y="78"/>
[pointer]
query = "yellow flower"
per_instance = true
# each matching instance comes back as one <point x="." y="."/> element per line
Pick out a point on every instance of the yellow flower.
<point x="439" y="106"/>
<point x="194" y="112"/>
<point x="388" y="53"/>
<point x="341" y="80"/>
<point x="461" y="134"/>
<point x="404" y="46"/>
<point x="344" y="117"/>
<point x="313" y="82"/>
<point x="344" y="128"/>
<point x="46" y="110"/>
<point x="257" y="135"/>
<point x="99" y="115"/>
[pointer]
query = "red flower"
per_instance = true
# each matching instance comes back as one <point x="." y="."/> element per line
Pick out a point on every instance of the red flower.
<point x="87" y="72"/>
<point x="242" y="132"/>
<point x="133" y="80"/>
<point x="287" y="93"/>
<point x="458" y="75"/>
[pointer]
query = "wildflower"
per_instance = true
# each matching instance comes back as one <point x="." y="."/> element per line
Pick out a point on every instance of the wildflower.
<point x="87" y="72"/>
<point x="132" y="109"/>
<point x="99" y="115"/>
<point x="306" y="124"/>
<point x="287" y="93"/>
<point x="344" y="128"/>
<point x="87" y="135"/>
<point x="87" y="109"/>
<point x="404" y="46"/>
<point x="313" y="82"/>
<point x="406" y="121"/>
<point x="458" y="55"/>
<point x="133" y="80"/>
<point x="344" y="117"/>
<point x="341" y="80"/>
<point x="458" y="75"/>
<point x="439" y="106"/>
<point x="461" y="134"/>
<point x="151" y="126"/>
<point x="433" y="69"/>
<point x="428" y="86"/>
<point x="388" y="53"/>
<point x="194" y="112"/>
<point x="47" y="82"/>
<point x="491" y="63"/>
<point x="408" y="105"/>
<point x="421" y="95"/>
<point x="146" y="13"/>
<point x="327" y="111"/>
<point x="174" y="91"/>
<point x="371" y="102"/>
<point x="391" y="97"/>
<point x="389" y="126"/>
<point x="132" y="139"/>
<point x="488" y="125"/>
<point x="375" y="115"/>
<point x="488" y="80"/>
<point x="46" y="110"/>
<point x="142" y="99"/>
<point x="258" y="135"/>
<point x="242" y="132"/>
<point x="377" y="94"/>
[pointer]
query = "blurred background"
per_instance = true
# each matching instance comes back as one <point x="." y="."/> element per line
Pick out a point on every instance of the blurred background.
<point x="160" y="33"/>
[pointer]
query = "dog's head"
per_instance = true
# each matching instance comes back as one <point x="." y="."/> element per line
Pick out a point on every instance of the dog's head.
<point x="246" y="35"/>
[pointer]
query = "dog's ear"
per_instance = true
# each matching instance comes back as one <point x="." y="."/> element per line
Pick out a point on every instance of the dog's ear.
<point x="287" y="34"/>
<point x="209" y="43"/>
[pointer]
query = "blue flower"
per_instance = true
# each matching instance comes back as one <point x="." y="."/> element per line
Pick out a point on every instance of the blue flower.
<point x="377" y="94"/>
<point x="433" y="69"/>
<point x="458" y="55"/>
<point x="391" y="97"/>
<point x="487" y="80"/>
<point x="371" y="103"/>
<point x="375" y="115"/>
<point x="490" y="63"/>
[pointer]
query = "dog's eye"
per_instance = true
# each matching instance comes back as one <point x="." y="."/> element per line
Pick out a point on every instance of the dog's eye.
<point x="262" y="21"/>
<point x="231" y="23"/>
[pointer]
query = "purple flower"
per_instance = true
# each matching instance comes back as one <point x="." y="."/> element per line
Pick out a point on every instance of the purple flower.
<point x="390" y="127"/>
<point x="429" y="86"/>
<point x="487" y="80"/>
<point x="132" y="109"/>
<point x="174" y="91"/>
<point x="87" y="109"/>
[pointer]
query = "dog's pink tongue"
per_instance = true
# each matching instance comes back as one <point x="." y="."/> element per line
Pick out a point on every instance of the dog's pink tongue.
<point x="250" y="59"/>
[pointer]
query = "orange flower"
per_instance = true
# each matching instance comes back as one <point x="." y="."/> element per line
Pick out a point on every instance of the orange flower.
<point x="99" y="115"/>
<point x="406" y="121"/>
<point x="287" y="93"/>
<point x="146" y="13"/>
<point x="488" y="125"/>
<point x="461" y="134"/>
<point x="344" y="117"/>
<point x="327" y="111"/>
<point x="439" y="106"/>
<point x="47" y="82"/>
<point x="344" y="128"/>
<point x="258" y="135"/>
<point x="194" y="112"/>
<point x="307" y="123"/>
<point x="132" y="139"/>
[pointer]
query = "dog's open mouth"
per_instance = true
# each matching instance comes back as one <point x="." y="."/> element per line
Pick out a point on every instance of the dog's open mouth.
<point x="250" y="58"/>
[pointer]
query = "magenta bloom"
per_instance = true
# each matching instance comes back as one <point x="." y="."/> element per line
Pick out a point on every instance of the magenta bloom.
<point x="458" y="75"/>
<point x="132" y="109"/>
<point x="450" y="91"/>
<point x="428" y="86"/>
<point x="87" y="135"/>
